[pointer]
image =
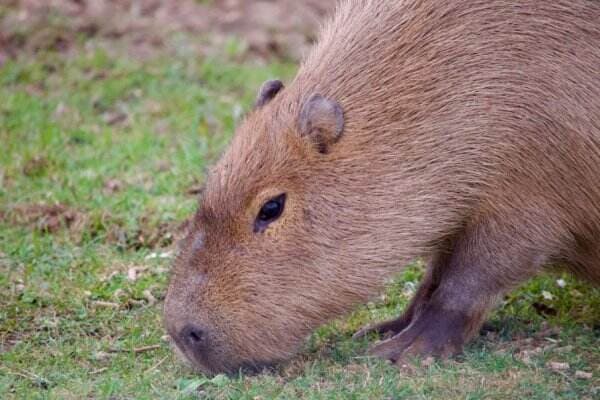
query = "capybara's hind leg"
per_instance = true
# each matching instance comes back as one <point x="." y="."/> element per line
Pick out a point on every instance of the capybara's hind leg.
<point x="428" y="285"/>
<point x="486" y="261"/>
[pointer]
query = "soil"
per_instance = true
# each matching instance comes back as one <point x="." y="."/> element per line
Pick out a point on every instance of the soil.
<point x="144" y="28"/>
<point x="46" y="218"/>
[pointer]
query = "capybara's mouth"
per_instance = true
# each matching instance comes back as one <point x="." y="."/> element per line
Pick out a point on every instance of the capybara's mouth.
<point x="205" y="366"/>
<point x="191" y="360"/>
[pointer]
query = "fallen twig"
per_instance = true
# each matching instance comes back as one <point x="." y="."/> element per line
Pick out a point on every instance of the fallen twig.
<point x="152" y="368"/>
<point x="35" y="379"/>
<point x="98" y="371"/>
<point x="137" y="350"/>
<point x="146" y="348"/>
<point x="108" y="304"/>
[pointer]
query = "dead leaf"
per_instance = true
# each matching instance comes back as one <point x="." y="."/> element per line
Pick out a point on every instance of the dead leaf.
<point x="149" y="297"/>
<point x="112" y="186"/>
<point x="114" y="117"/>
<point x="134" y="272"/>
<point x="558" y="366"/>
<point x="427" y="362"/>
<point x="526" y="355"/>
<point x="583" y="375"/>
<point x="564" y="349"/>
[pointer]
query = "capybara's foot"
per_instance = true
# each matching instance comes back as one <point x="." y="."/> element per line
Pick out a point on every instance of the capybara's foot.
<point x="385" y="329"/>
<point x="392" y="327"/>
<point x="435" y="332"/>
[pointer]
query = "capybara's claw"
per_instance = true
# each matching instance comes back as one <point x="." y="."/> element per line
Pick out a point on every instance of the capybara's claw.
<point x="390" y="349"/>
<point x="385" y="329"/>
<point x="434" y="332"/>
<point x="362" y="332"/>
<point x="401" y="346"/>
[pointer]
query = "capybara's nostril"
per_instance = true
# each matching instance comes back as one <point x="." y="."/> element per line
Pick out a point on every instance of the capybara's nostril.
<point x="192" y="335"/>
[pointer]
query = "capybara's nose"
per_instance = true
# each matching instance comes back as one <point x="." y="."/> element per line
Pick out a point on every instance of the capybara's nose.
<point x="193" y="336"/>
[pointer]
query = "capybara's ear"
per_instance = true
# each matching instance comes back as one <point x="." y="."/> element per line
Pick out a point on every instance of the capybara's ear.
<point x="267" y="92"/>
<point x="322" y="120"/>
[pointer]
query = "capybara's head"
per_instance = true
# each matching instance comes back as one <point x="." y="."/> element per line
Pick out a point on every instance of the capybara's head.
<point x="267" y="258"/>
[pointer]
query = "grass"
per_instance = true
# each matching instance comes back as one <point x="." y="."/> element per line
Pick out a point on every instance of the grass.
<point x="98" y="155"/>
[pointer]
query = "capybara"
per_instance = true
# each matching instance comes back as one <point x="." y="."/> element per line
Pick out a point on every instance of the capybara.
<point x="462" y="132"/>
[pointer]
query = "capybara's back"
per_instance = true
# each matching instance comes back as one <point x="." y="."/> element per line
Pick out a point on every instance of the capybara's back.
<point x="465" y="132"/>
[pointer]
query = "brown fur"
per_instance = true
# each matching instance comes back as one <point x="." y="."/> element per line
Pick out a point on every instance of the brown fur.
<point x="471" y="136"/>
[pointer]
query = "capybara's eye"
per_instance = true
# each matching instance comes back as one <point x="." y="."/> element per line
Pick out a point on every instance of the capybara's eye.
<point x="269" y="212"/>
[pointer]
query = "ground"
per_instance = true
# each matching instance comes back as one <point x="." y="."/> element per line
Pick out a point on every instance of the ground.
<point x="103" y="147"/>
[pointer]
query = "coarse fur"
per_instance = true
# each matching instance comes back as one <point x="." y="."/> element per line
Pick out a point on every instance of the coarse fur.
<point x="471" y="137"/>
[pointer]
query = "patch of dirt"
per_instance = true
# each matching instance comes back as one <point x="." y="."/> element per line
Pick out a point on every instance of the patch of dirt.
<point x="147" y="235"/>
<point x="142" y="28"/>
<point x="36" y="166"/>
<point x="112" y="186"/>
<point x="46" y="218"/>
<point x="8" y="340"/>
<point x="54" y="218"/>
<point x="285" y="28"/>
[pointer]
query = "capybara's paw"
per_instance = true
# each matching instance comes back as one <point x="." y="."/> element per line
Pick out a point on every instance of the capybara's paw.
<point x="385" y="329"/>
<point x="433" y="333"/>
<point x="427" y="343"/>
<point x="390" y="349"/>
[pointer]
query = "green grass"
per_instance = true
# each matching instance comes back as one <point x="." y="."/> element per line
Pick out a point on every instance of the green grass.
<point x="118" y="143"/>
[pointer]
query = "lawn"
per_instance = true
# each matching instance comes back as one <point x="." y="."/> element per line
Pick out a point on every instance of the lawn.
<point x="100" y="158"/>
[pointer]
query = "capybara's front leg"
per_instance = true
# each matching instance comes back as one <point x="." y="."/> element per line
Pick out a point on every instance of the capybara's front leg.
<point x="486" y="261"/>
<point x="426" y="289"/>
